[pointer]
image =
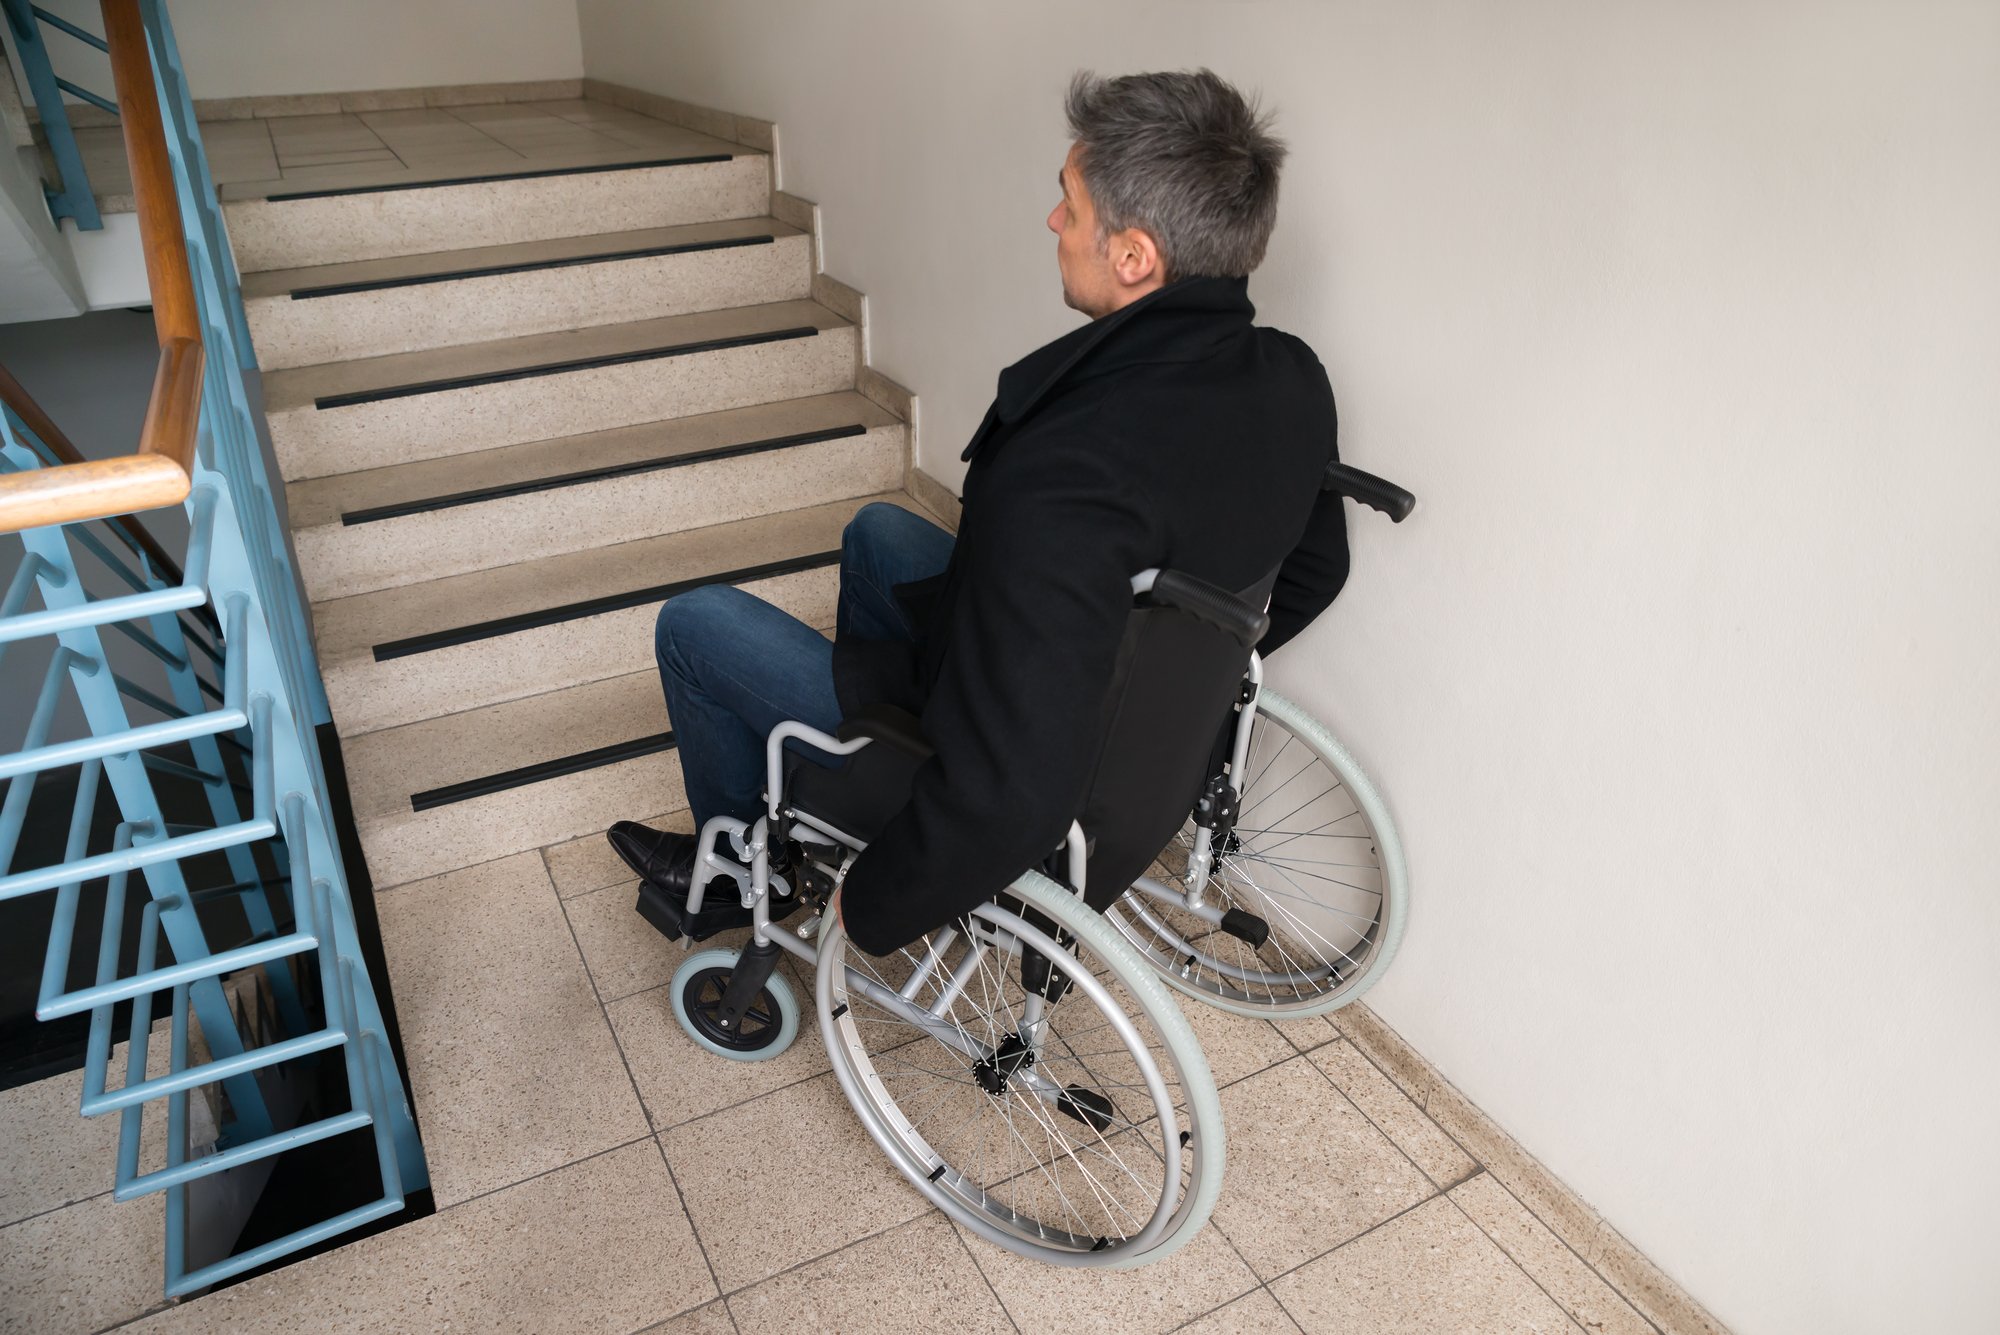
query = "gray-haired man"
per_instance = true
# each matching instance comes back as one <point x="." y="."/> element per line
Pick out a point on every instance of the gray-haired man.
<point x="1170" y="431"/>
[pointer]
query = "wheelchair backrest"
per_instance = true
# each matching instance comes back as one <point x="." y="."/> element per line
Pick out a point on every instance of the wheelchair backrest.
<point x="1178" y="678"/>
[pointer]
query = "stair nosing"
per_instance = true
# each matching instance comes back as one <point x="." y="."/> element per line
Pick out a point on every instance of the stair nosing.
<point x="313" y="293"/>
<point x="336" y="192"/>
<point x="540" y="771"/>
<point x="581" y="477"/>
<point x="350" y="625"/>
<point x="319" y="502"/>
<point x="514" y="623"/>
<point x="358" y="398"/>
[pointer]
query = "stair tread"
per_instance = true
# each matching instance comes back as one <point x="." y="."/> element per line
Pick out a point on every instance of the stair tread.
<point x="385" y="768"/>
<point x="323" y="500"/>
<point x="282" y="282"/>
<point x="297" y="388"/>
<point x="669" y="143"/>
<point x="349" y="628"/>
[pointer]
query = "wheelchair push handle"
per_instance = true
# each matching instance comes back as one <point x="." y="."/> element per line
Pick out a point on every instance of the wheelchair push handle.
<point x="1375" y="492"/>
<point x="1203" y="601"/>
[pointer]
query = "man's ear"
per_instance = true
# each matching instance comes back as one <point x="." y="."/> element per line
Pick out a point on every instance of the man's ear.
<point x="1135" y="257"/>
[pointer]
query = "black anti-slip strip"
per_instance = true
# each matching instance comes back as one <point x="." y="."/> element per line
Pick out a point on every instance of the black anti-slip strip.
<point x="428" y="504"/>
<point x="499" y="176"/>
<point x="545" y="769"/>
<point x="560" y="368"/>
<point x="550" y="616"/>
<point x="529" y="266"/>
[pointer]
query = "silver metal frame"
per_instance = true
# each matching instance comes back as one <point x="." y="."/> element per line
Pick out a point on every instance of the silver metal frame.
<point x="745" y="859"/>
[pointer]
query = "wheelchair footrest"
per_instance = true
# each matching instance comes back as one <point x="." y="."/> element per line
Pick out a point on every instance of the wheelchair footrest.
<point x="1087" y="1106"/>
<point x="669" y="916"/>
<point x="1247" y="928"/>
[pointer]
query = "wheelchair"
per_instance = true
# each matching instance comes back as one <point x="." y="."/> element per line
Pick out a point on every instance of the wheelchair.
<point x="1026" y="1066"/>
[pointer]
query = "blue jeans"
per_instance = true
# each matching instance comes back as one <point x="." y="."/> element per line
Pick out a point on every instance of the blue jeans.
<point x="734" y="667"/>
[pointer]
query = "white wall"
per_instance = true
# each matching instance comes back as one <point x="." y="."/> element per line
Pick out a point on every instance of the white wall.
<point x="1683" y="320"/>
<point x="233" y="48"/>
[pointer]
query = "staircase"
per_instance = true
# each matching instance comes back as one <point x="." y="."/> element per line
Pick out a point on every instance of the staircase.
<point x="513" y="416"/>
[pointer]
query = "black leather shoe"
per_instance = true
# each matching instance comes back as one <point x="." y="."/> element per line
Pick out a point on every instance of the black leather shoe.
<point x="663" y="857"/>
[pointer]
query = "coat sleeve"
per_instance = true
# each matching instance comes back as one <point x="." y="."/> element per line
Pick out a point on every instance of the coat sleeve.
<point x="1314" y="571"/>
<point x="1016" y="710"/>
<point x="1312" y="574"/>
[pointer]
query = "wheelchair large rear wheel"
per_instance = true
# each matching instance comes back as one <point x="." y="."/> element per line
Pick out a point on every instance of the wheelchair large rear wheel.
<point x="1028" y="1074"/>
<point x="1313" y="857"/>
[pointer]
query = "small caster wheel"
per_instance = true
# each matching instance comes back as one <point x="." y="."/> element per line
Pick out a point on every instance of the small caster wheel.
<point x="767" y="1028"/>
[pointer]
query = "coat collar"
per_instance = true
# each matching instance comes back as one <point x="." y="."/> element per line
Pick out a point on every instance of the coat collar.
<point x="1182" y="321"/>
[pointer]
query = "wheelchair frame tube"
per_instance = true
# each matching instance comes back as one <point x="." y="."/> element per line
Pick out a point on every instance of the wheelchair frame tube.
<point x="774" y="758"/>
<point x="1201" y="859"/>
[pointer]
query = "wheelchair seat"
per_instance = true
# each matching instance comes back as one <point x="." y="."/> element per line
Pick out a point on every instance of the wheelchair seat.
<point x="862" y="795"/>
<point x="1180" y="668"/>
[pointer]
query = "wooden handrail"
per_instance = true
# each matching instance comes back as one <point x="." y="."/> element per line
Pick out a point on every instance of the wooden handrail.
<point x="75" y="471"/>
<point x="160" y="471"/>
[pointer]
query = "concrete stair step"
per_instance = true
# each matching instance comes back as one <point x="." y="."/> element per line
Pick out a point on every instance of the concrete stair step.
<point x="422" y="520"/>
<point x="402" y="213"/>
<point x="365" y="308"/>
<point x="422" y="651"/>
<point x="448" y="792"/>
<point x="343" y="417"/>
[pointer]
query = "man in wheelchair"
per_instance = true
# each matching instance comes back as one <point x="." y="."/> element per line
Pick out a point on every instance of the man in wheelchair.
<point x="1169" y="433"/>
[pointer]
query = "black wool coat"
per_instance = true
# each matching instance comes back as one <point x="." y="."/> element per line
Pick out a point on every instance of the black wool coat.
<point x="1174" y="433"/>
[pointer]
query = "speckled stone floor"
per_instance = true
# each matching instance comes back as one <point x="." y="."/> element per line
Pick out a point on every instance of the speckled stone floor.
<point x="597" y="1172"/>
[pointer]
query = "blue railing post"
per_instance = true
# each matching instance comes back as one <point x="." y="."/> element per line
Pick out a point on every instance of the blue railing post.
<point x="74" y="199"/>
<point x="90" y="676"/>
<point x="239" y="582"/>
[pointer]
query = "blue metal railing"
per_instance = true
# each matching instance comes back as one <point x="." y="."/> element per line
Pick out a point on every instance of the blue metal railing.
<point x="71" y="199"/>
<point x="240" y="683"/>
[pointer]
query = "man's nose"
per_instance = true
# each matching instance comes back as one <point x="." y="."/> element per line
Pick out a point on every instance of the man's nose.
<point x="1054" y="222"/>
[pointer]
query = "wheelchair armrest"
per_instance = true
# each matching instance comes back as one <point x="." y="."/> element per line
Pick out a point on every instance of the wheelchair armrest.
<point x="886" y="723"/>
<point x="1202" y="601"/>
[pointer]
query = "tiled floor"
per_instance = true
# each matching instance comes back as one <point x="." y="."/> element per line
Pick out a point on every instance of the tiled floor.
<point x="595" y="1171"/>
<point x="253" y="158"/>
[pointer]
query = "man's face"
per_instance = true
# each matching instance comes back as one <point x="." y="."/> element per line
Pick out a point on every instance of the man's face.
<point x="1100" y="274"/>
<point x="1080" y="253"/>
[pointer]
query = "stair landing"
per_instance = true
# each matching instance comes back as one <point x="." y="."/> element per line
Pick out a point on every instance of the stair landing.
<point x="267" y="155"/>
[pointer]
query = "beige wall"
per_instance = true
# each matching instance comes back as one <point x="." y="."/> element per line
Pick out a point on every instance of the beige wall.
<point x="251" y="48"/>
<point x="1683" y="321"/>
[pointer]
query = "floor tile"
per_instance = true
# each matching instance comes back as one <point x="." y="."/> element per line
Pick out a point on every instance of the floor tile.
<point x="339" y="157"/>
<point x="624" y="952"/>
<point x="679" y="1081"/>
<point x="915" y="1279"/>
<point x="710" y="1320"/>
<point x="1255" y="1313"/>
<point x="1234" y="1045"/>
<point x="1202" y="1275"/>
<point x="597" y="1246"/>
<point x="785" y="1179"/>
<point x="1390" y="1109"/>
<point x="1430" y="1270"/>
<point x="55" y="1155"/>
<point x="587" y="864"/>
<point x="1307" y="1171"/>
<point x="1312" y="1032"/>
<point x="83" y="1267"/>
<point x="1561" y="1273"/>
<point x="513" y="1065"/>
